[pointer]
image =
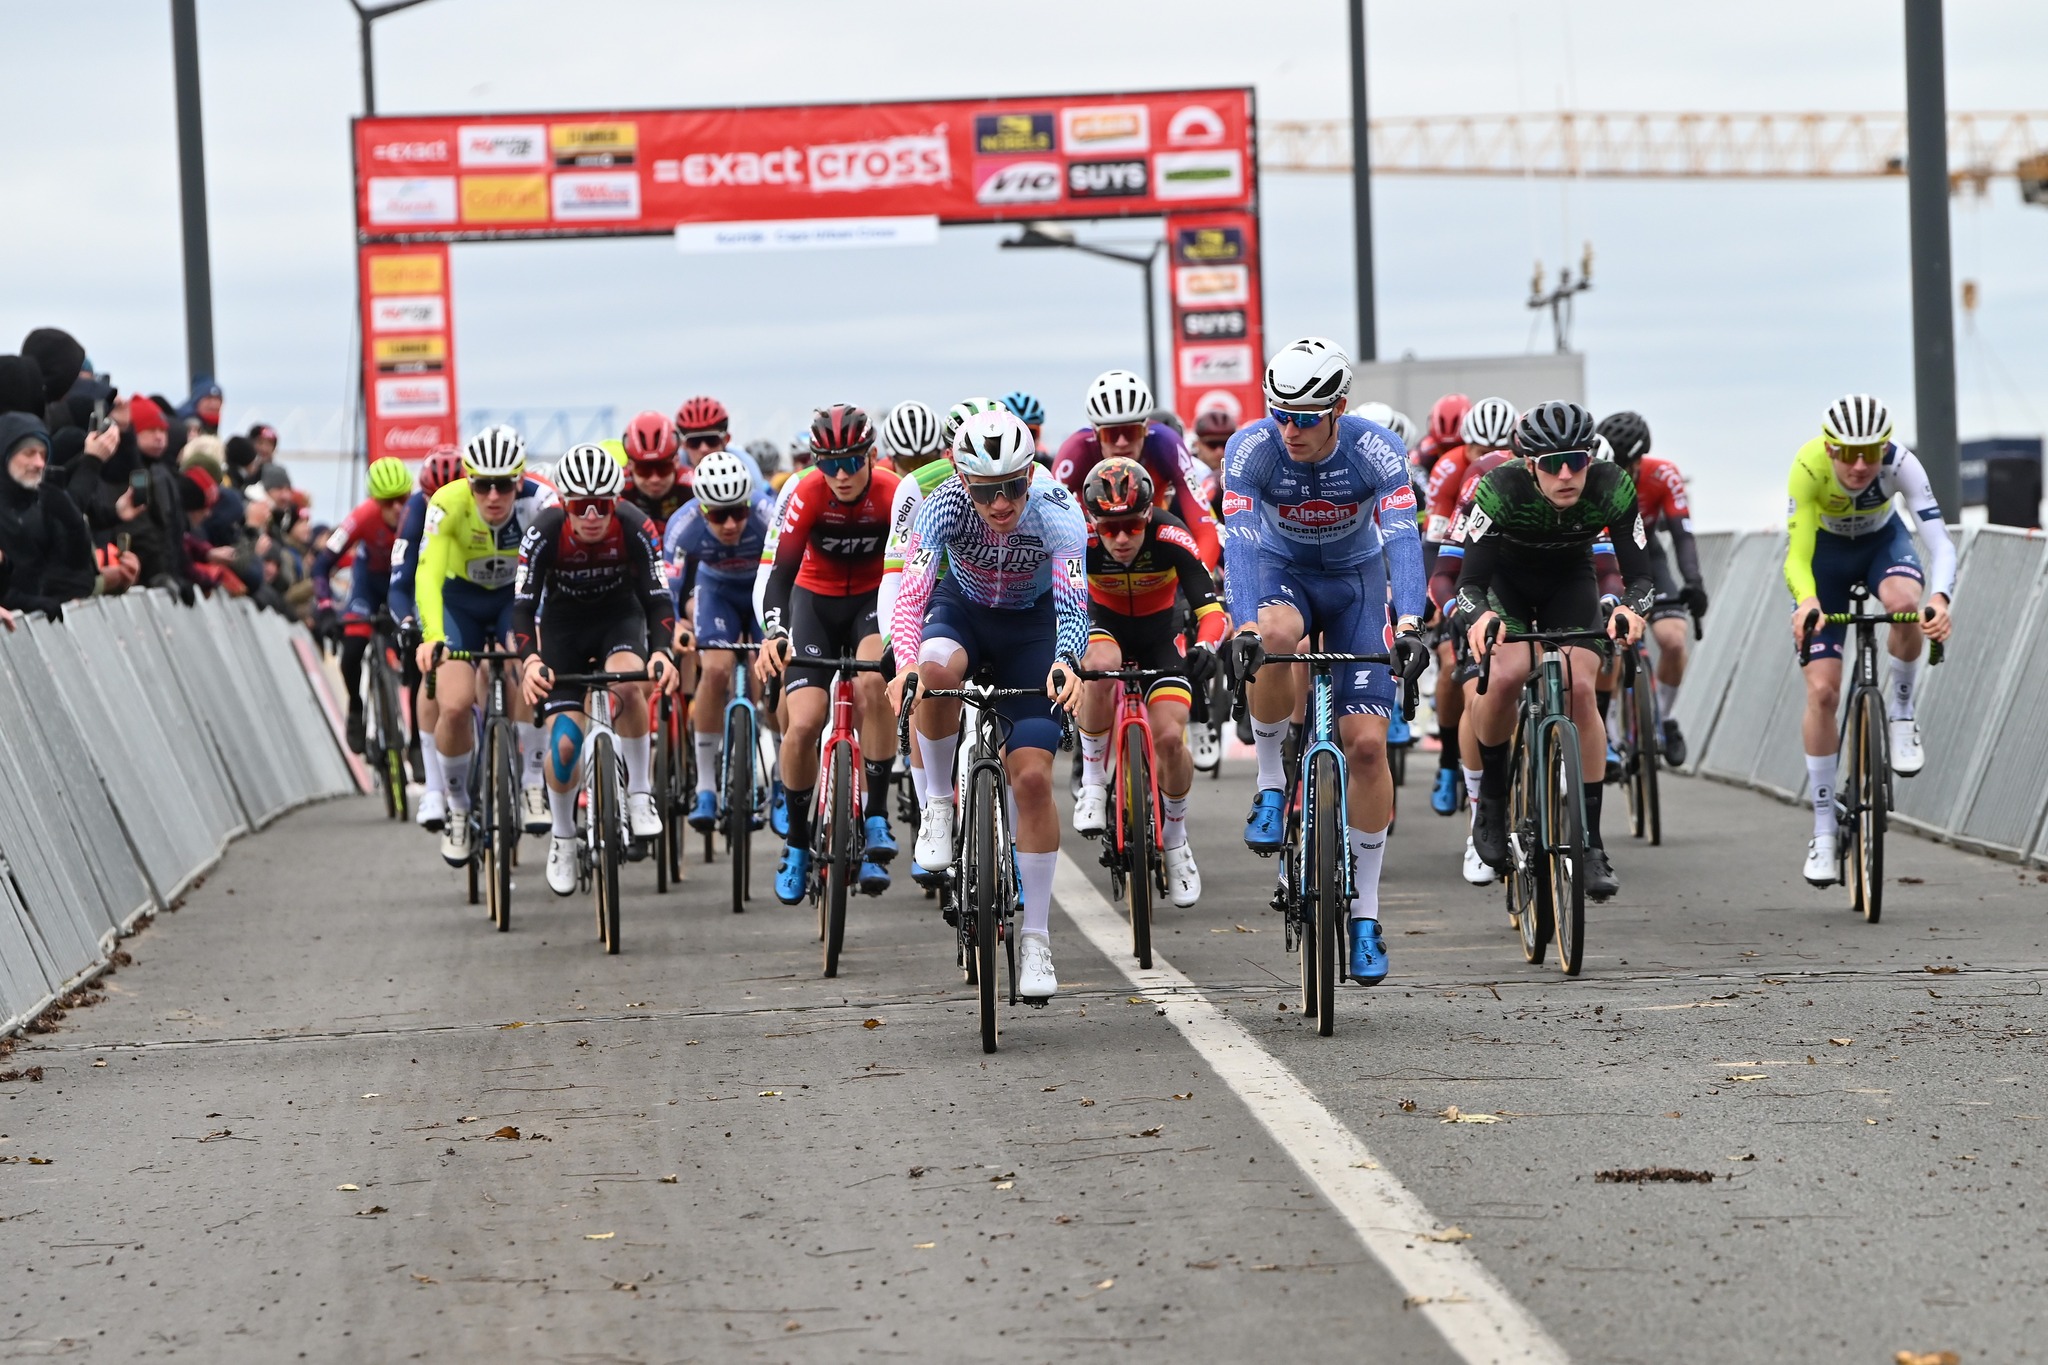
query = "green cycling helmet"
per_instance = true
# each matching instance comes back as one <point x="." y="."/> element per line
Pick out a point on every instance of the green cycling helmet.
<point x="389" y="479"/>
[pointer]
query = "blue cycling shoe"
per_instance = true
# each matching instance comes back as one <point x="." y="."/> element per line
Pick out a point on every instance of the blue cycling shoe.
<point x="874" y="878"/>
<point x="1266" y="826"/>
<point x="704" y="814"/>
<point x="1613" y="773"/>
<point x="778" y="809"/>
<point x="793" y="878"/>
<point x="1398" y="731"/>
<point x="1368" y="952"/>
<point x="1443" y="798"/>
<point x="881" y="845"/>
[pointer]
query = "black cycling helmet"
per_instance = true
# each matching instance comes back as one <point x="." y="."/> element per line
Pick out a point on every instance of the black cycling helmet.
<point x="1628" y="433"/>
<point x="1550" y="427"/>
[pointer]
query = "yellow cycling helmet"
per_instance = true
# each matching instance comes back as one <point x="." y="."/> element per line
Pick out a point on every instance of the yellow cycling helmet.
<point x="390" y="480"/>
<point x="617" y="450"/>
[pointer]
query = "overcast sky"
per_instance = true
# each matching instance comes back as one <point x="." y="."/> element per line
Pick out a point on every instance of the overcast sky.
<point x="1729" y="313"/>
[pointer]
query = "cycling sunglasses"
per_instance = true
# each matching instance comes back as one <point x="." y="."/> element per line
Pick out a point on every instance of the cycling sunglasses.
<point x="654" y="469"/>
<point x="725" y="516"/>
<point x="836" y="465"/>
<point x="479" y="484"/>
<point x="710" y="442"/>
<point x="1210" y="443"/>
<point x="589" y="507"/>
<point x="1858" y="454"/>
<point x="1122" y="431"/>
<point x="1307" y="421"/>
<point x="1558" y="461"/>
<point x="1014" y="489"/>
<point x="1121" y="526"/>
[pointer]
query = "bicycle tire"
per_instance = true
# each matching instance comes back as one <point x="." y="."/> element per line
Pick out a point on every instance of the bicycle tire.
<point x="1647" y="813"/>
<point x="606" y="829"/>
<point x="1872" y="765"/>
<point x="739" y="800"/>
<point x="664" y="794"/>
<point x="501" y="819"/>
<point x="1564" y="843"/>
<point x="985" y="890"/>
<point x="1397" y="763"/>
<point x="839" y="864"/>
<point x="1329" y="846"/>
<point x="390" y="736"/>
<point x="1136" y="776"/>
<point x="1528" y="897"/>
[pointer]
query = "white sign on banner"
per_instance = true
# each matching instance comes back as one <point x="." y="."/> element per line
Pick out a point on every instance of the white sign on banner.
<point x="1212" y="365"/>
<point x="581" y="196"/>
<point x="413" y="396"/>
<point x="807" y="234"/>
<point x="408" y="313"/>
<point x="399" y="201"/>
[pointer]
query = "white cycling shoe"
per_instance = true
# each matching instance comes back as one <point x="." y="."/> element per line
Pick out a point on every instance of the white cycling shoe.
<point x="1476" y="870"/>
<point x="1820" y="860"/>
<point x="1908" y="757"/>
<point x="1204" y="746"/>
<point x="455" y="839"/>
<point x="533" y="806"/>
<point x="1091" y="809"/>
<point x="1183" y="878"/>
<point x="934" y="848"/>
<point x="562" y="864"/>
<point x="1035" y="977"/>
<point x="433" y="811"/>
<point x="641" y="816"/>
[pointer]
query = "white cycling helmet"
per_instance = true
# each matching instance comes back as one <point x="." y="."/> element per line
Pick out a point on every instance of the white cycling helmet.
<point x="1380" y="414"/>
<point x="912" y="430"/>
<point x="496" y="452"/>
<point x="589" y="471"/>
<point x="1603" y="449"/>
<point x="723" y="480"/>
<point x="1490" y="422"/>
<point x="1309" y="374"/>
<point x="1858" y="420"/>
<point x="960" y="412"/>
<point x="1118" y="396"/>
<point x="1403" y="426"/>
<point x="993" y="443"/>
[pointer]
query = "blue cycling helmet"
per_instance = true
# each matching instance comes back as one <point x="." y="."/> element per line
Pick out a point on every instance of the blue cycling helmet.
<point x="1029" y="410"/>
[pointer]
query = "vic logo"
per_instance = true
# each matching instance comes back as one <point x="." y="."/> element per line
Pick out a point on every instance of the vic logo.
<point x="1317" y="513"/>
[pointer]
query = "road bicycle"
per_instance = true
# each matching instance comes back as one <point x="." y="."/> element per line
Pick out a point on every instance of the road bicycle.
<point x="1863" y="786"/>
<point x="603" y="837"/>
<point x="674" y="779"/>
<point x="1316" y="888"/>
<point x="1546" y="876"/>
<point x="1642" y="744"/>
<point x="494" y="818"/>
<point x="980" y="896"/>
<point x="385" y="742"/>
<point x="1131" y="852"/>
<point x="838" y="829"/>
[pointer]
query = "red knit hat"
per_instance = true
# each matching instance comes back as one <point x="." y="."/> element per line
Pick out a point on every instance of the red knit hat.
<point x="145" y="415"/>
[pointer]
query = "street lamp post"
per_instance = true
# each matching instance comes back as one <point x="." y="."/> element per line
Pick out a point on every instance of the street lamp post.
<point x="1041" y="235"/>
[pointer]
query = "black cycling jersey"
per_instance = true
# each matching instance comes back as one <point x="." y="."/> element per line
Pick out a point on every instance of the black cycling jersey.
<point x="558" y="572"/>
<point x="1511" y="526"/>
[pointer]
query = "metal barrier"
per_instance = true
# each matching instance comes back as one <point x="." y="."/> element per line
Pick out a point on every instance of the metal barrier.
<point x="137" y="738"/>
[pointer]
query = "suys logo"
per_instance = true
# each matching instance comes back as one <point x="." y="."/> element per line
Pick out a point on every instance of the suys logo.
<point x="1017" y="182"/>
<point x="1214" y="324"/>
<point x="1107" y="179"/>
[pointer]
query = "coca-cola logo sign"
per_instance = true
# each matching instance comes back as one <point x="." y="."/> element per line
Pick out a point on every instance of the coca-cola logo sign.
<point x="424" y="436"/>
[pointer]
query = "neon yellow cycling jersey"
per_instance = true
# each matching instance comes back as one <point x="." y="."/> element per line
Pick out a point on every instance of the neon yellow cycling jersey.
<point x="1818" y="502"/>
<point x="457" y="543"/>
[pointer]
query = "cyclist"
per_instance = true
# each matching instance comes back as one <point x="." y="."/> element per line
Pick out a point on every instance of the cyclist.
<point x="1140" y="560"/>
<point x="1681" y="597"/>
<point x="441" y="466"/>
<point x="1319" y="516"/>
<point x="371" y="529"/>
<point x="1843" y="530"/>
<point x="654" y="487"/>
<point x="1529" y="538"/>
<point x="960" y="412"/>
<point x="713" y="550"/>
<point x="1483" y="430"/>
<point x="590" y="586"/>
<point x="1120" y="422"/>
<point x="913" y="435"/>
<point x="820" y="604"/>
<point x="1031" y="413"/>
<point x="469" y="556"/>
<point x="1014" y="598"/>
<point x="1213" y="430"/>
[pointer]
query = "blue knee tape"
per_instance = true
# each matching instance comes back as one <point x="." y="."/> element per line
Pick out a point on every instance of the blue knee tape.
<point x="565" y="769"/>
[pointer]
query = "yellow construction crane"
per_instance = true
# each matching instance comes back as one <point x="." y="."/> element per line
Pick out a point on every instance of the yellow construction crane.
<point x="1671" y="146"/>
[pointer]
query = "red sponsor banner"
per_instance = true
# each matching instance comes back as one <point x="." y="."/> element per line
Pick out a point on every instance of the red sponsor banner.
<point x="1218" y="331"/>
<point x="408" y="349"/>
<point x="964" y="161"/>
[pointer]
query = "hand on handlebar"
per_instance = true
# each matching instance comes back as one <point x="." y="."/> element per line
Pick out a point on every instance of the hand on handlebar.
<point x="1624" y="627"/>
<point x="535" y="680"/>
<point x="774" y="655"/>
<point x="1242" y="655"/>
<point x="1806" y="620"/>
<point x="1411" y="655"/>
<point x="895" y="691"/>
<point x="1063" y="685"/>
<point x="1935" y="620"/>
<point x="663" y="673"/>
<point x="428" y="655"/>
<point x="684" y="641"/>
<point x="1480" y="635"/>
<point x="1694" y="595"/>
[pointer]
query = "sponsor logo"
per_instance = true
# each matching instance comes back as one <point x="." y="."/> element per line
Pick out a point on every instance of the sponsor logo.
<point x="1106" y="128"/>
<point x="396" y="201"/>
<point x="1174" y="535"/>
<point x="413" y="273"/>
<point x="1198" y="175"/>
<point x="1234" y="501"/>
<point x="1017" y="182"/>
<point x="409" y="313"/>
<point x="1208" y="245"/>
<point x="1105" y="179"/>
<point x="1196" y="286"/>
<point x="1010" y="134"/>
<point x="1231" y="364"/>
<point x="399" y="355"/>
<point x="1195" y="125"/>
<point x="1640" y="540"/>
<point x="914" y="159"/>
<point x="504" y="145"/>
<point x="1319" y="513"/>
<point x="422" y="396"/>
<point x="783" y="166"/>
<point x="1214" y="324"/>
<point x="594" y="144"/>
<point x="1401" y="499"/>
<point x="585" y="195"/>
<point x="504" y="199"/>
<point x="424" y="436"/>
<point x="421" y="152"/>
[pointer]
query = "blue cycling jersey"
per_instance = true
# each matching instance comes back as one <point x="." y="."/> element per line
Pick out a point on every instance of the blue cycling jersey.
<point x="691" y="549"/>
<point x="1335" y="514"/>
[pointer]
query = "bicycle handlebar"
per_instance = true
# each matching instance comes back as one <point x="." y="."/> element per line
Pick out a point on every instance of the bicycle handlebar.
<point x="1127" y="674"/>
<point x="982" y="694"/>
<point x="443" y="655"/>
<point x="1497" y="635"/>
<point x="606" y="679"/>
<point x="1815" y="619"/>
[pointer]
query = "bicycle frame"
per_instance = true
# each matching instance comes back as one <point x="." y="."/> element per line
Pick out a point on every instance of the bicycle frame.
<point x="1320" y="732"/>
<point x="842" y="728"/>
<point x="741" y="700"/>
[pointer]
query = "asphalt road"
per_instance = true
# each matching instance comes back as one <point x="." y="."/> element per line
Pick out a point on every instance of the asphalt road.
<point x="277" y="1137"/>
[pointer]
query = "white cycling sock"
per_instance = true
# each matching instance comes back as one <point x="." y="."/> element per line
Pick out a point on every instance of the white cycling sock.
<point x="917" y="784"/>
<point x="1667" y="697"/>
<point x="1095" y="759"/>
<point x="562" y="806"/>
<point x="1820" y="784"/>
<point x="707" y="761"/>
<point x="430" y="759"/>
<point x="1472" y="780"/>
<point x="1614" y="727"/>
<point x="455" y="772"/>
<point x="1898" y="692"/>
<point x="1368" y="851"/>
<point x="1034" y="871"/>
<point x="1267" y="739"/>
<point x="1173" y="815"/>
<point x="938" y="764"/>
<point x="638" y="751"/>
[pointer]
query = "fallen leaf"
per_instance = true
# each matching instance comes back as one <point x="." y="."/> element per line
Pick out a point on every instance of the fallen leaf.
<point x="668" y="1180"/>
<point x="1871" y="1122"/>
<point x="1655" y="1174"/>
<point x="1185" y="1095"/>
<point x="626" y="1285"/>
<point x="917" y="1172"/>
<point x="1153" y="1131"/>
<point x="1448" y="1235"/>
<point x="1912" y="881"/>
<point x="1243" y="930"/>
<point x="1105" y="1284"/>
<point x="508" y="1134"/>
<point x="1927" y="1358"/>
<point x="690" y="1042"/>
<point x="101" y="1062"/>
<point x="1742" y="1156"/>
<point x="372" y="1211"/>
<point x="41" y="1161"/>
<point x="1134" y="999"/>
<point x="1087" y="1103"/>
<point x="471" y="1118"/>
<point x="1006" y="1184"/>
<point x="636" y="1004"/>
<point x="1675" y="1114"/>
<point x="218" y="1134"/>
<point x="1939" y="971"/>
<point x="1405" y="1106"/>
<point x="516" y="1023"/>
<point x="792" y="1326"/>
<point x="922" y="1246"/>
<point x="871" y="1023"/>
<point x="373" y="1095"/>
<point x="426" y="1279"/>
<point x="1203" y="1265"/>
<point x="1063" y="1218"/>
<point x="599" y="1236"/>
<point x="1454" y="1115"/>
<point x="1365" y="1165"/>
<point x="770" y="1094"/>
<point x="1006" y="1175"/>
<point x="350" y="1188"/>
<point x="1841" y="1042"/>
<point x="1750" y="1076"/>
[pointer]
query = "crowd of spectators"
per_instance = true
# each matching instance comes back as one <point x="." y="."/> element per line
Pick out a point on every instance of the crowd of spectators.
<point x="104" y="490"/>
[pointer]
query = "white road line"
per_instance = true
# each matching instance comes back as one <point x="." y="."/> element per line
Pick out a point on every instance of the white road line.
<point x="1445" y="1281"/>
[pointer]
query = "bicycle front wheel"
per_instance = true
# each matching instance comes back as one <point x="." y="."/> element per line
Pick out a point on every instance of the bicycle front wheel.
<point x="1136" y="773"/>
<point x="1528" y="896"/>
<point x="984" y="889"/>
<point x="739" y="800"/>
<point x="1646" y="808"/>
<point x="839" y="856"/>
<point x="501" y="819"/>
<point x="1870" y="795"/>
<point x="1564" y="842"/>
<point x="607" y="828"/>
<point x="1328" y="847"/>
<point x="390" y="735"/>
<point x="664" y="792"/>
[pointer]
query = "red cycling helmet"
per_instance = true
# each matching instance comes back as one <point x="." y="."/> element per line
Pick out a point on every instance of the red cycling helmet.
<point x="650" y="439"/>
<point x="1117" y="487"/>
<point x="841" y="429"/>
<point x="443" y="465"/>
<point x="1446" y="415"/>
<point x="702" y="414"/>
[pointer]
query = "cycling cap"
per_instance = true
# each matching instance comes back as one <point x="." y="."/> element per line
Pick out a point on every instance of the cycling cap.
<point x="589" y="471"/>
<point x="495" y="452"/>
<point x="650" y="437"/>
<point x="1309" y="374"/>
<point x="1118" y="396"/>
<point x="389" y="479"/>
<point x="911" y="430"/>
<point x="841" y="429"/>
<point x="1029" y="410"/>
<point x="1489" y="423"/>
<point x="1447" y="417"/>
<point x="1117" y="487"/>
<point x="702" y="414"/>
<point x="1628" y="433"/>
<point x="1554" y="426"/>
<point x="723" y="480"/>
<point x="1858" y="420"/>
<point x="441" y="467"/>
<point x="993" y="443"/>
<point x="960" y="412"/>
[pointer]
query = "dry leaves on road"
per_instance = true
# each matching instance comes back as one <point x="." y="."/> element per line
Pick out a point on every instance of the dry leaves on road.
<point x="1841" y="1042"/>
<point x="599" y="1236"/>
<point x="348" y="1188"/>
<point x="1927" y="1358"/>
<point x="1453" y="1234"/>
<point x="1940" y="971"/>
<point x="372" y="1211"/>
<point x="506" y="1134"/>
<point x="872" y="1023"/>
<point x="1637" y="1175"/>
<point x="28" y="1073"/>
<point x="1454" y="1115"/>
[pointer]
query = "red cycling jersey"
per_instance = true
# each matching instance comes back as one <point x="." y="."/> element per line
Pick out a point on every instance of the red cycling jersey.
<point x="1165" y="457"/>
<point x="1446" y="484"/>
<point x="1660" y="492"/>
<point x="830" y="547"/>
<point x="365" y="532"/>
